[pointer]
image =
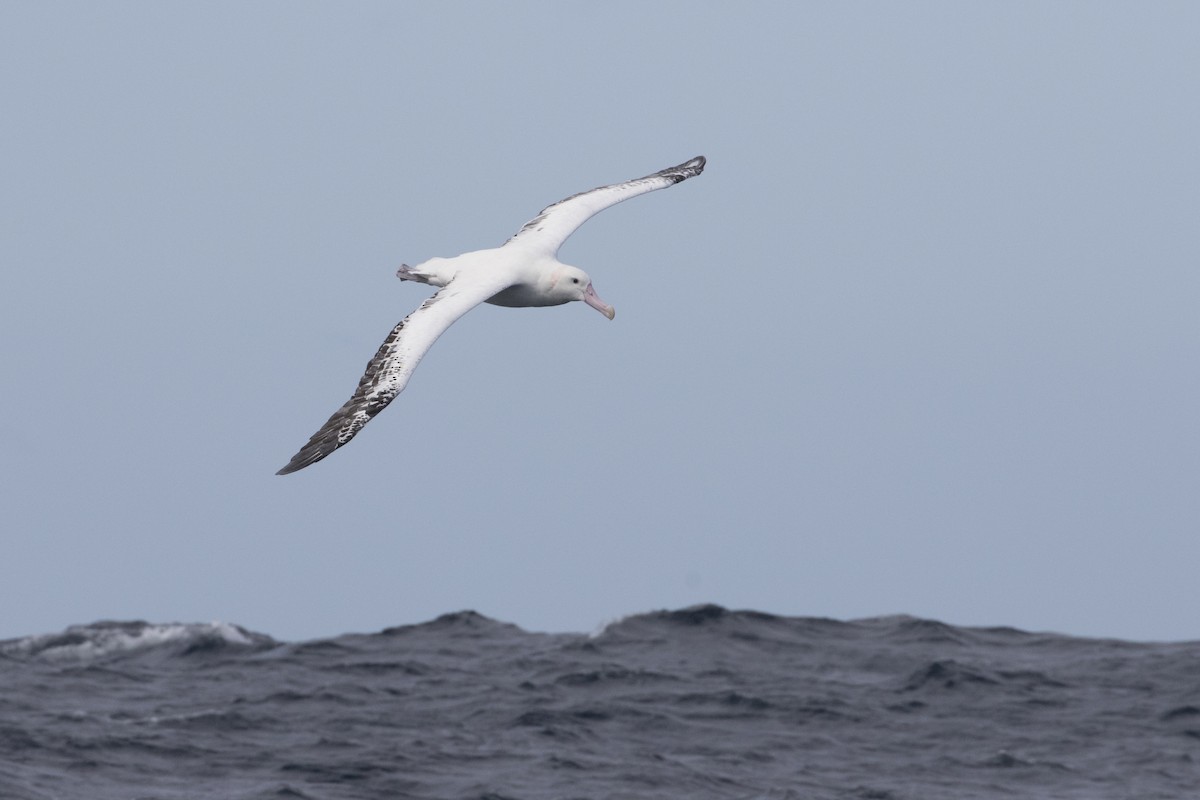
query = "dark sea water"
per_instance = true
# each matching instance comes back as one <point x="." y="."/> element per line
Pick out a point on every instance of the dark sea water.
<point x="697" y="703"/>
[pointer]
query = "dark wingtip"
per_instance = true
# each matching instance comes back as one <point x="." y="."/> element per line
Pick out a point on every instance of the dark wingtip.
<point x="688" y="169"/>
<point x="304" y="458"/>
<point x="290" y="468"/>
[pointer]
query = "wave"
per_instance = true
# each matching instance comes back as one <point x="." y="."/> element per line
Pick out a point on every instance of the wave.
<point x="745" y="628"/>
<point x="108" y="640"/>
<point x="702" y="702"/>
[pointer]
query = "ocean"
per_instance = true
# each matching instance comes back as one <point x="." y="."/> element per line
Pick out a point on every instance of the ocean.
<point x="701" y="702"/>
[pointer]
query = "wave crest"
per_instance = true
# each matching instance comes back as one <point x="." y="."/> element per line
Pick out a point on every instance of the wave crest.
<point x="114" y="639"/>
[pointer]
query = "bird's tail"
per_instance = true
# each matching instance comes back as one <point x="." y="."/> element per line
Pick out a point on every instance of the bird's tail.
<point x="407" y="273"/>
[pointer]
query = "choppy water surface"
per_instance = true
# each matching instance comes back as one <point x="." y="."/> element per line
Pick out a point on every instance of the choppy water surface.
<point x="698" y="703"/>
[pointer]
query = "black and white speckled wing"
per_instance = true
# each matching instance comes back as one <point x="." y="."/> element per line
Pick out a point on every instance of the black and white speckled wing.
<point x="549" y="229"/>
<point x="388" y="372"/>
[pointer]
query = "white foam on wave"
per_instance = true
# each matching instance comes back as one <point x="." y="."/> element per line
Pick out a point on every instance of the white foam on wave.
<point x="603" y="627"/>
<point x="103" y="639"/>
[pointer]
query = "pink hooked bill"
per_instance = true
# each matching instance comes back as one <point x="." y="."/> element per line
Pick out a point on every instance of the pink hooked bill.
<point x="592" y="299"/>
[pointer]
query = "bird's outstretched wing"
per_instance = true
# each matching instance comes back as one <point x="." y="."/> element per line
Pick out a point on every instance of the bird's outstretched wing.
<point x="388" y="372"/>
<point x="550" y="228"/>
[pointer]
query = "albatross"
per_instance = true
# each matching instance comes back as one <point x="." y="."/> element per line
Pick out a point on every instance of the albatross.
<point x="524" y="271"/>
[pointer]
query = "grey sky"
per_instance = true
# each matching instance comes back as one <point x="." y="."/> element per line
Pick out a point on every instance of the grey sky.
<point x="923" y="338"/>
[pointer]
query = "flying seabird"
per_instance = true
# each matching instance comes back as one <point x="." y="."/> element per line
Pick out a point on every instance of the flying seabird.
<point x="524" y="271"/>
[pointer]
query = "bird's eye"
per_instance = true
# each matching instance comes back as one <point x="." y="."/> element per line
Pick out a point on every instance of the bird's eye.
<point x="574" y="280"/>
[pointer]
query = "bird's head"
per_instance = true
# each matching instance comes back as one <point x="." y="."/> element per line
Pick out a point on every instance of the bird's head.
<point x="572" y="283"/>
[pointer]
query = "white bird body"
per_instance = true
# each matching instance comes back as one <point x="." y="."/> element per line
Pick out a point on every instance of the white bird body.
<point x="524" y="271"/>
<point x="533" y="278"/>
